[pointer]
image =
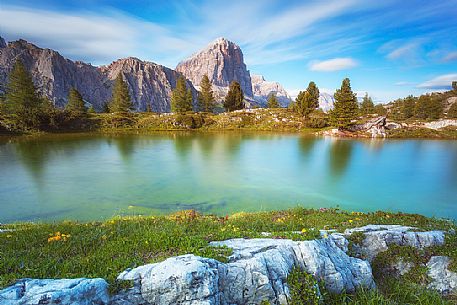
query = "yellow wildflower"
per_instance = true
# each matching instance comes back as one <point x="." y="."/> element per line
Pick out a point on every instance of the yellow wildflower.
<point x="304" y="230"/>
<point x="350" y="220"/>
<point x="9" y="236"/>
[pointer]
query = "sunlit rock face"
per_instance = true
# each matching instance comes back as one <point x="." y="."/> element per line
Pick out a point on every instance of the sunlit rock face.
<point x="54" y="75"/>
<point x="262" y="90"/>
<point x="223" y="62"/>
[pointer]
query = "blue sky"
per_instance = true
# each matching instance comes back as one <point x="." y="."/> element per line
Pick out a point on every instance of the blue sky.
<point x="387" y="48"/>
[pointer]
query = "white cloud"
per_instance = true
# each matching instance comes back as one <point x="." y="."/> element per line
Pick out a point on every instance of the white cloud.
<point x="263" y="29"/>
<point x="406" y="50"/>
<point x="403" y="83"/>
<point x="334" y="64"/>
<point x="439" y="83"/>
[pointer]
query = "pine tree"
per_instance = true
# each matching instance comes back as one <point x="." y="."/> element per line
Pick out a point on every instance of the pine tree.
<point x="435" y="106"/>
<point x="75" y="102"/>
<point x="148" y="107"/>
<point x="454" y="86"/>
<point x="181" y="97"/>
<point x="273" y="101"/>
<point x="345" y="107"/>
<point x="380" y="109"/>
<point x="22" y="102"/>
<point x="206" y="101"/>
<point x="421" y="107"/>
<point x="409" y="103"/>
<point x="367" y="106"/>
<point x="120" y="101"/>
<point x="452" y="112"/>
<point x="314" y="93"/>
<point x="234" y="99"/>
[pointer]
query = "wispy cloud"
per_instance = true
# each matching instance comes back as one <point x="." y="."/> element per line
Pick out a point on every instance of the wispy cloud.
<point x="439" y="83"/>
<point x="91" y="37"/>
<point x="263" y="29"/>
<point x="401" y="84"/>
<point x="452" y="56"/>
<point x="334" y="64"/>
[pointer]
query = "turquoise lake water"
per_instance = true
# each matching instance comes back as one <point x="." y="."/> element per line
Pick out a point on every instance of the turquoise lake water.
<point x="94" y="177"/>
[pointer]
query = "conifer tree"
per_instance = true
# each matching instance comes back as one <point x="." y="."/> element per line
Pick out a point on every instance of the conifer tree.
<point x="345" y="107"/>
<point x="314" y="93"/>
<point x="22" y="102"/>
<point x="181" y="97"/>
<point x="120" y="101"/>
<point x="379" y="109"/>
<point x="454" y="86"/>
<point x="234" y="99"/>
<point x="367" y="106"/>
<point x="408" y="106"/>
<point x="75" y="102"/>
<point x="421" y="107"/>
<point x="206" y="101"/>
<point x="273" y="101"/>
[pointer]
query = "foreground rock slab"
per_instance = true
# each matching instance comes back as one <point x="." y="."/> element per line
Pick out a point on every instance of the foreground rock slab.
<point x="378" y="238"/>
<point x="62" y="292"/>
<point x="257" y="271"/>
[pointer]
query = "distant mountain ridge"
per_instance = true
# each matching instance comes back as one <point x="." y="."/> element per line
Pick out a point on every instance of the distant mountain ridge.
<point x="262" y="90"/>
<point x="149" y="83"/>
<point x="54" y="75"/>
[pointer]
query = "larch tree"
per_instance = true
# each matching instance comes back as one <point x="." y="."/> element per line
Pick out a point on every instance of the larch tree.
<point x="367" y="106"/>
<point x="273" y="101"/>
<point x="22" y="103"/>
<point x="345" y="107"/>
<point x="314" y="95"/>
<point x="235" y="97"/>
<point x="75" y="102"/>
<point x="206" y="101"/>
<point x="121" y="100"/>
<point x="181" y="97"/>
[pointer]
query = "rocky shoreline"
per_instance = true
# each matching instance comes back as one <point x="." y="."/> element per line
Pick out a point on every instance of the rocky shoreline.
<point x="256" y="271"/>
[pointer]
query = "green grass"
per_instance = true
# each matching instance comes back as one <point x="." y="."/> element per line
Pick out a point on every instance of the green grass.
<point x="104" y="249"/>
<point x="415" y="132"/>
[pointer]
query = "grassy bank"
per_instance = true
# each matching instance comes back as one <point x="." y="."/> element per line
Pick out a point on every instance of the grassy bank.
<point x="277" y="120"/>
<point x="104" y="249"/>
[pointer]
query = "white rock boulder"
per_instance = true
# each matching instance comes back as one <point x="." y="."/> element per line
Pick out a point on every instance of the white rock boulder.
<point x="56" y="292"/>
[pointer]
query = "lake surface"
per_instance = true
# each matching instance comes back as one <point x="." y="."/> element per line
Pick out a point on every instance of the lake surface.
<point x="93" y="177"/>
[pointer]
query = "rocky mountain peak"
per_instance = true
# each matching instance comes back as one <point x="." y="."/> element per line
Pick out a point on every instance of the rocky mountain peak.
<point x="262" y="89"/>
<point x="223" y="62"/>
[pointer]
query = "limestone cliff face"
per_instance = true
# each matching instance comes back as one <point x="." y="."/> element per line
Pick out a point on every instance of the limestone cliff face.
<point x="223" y="62"/>
<point x="262" y="89"/>
<point x="54" y="75"/>
<point x="148" y="83"/>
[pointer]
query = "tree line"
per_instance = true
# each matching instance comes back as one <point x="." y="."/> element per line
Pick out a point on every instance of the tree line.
<point x="25" y="109"/>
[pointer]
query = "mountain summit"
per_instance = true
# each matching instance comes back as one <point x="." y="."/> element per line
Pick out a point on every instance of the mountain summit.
<point x="223" y="62"/>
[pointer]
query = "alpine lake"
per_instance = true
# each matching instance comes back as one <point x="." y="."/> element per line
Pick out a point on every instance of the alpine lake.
<point x="90" y="177"/>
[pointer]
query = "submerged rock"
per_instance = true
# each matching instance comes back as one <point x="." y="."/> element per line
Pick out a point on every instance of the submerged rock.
<point x="63" y="292"/>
